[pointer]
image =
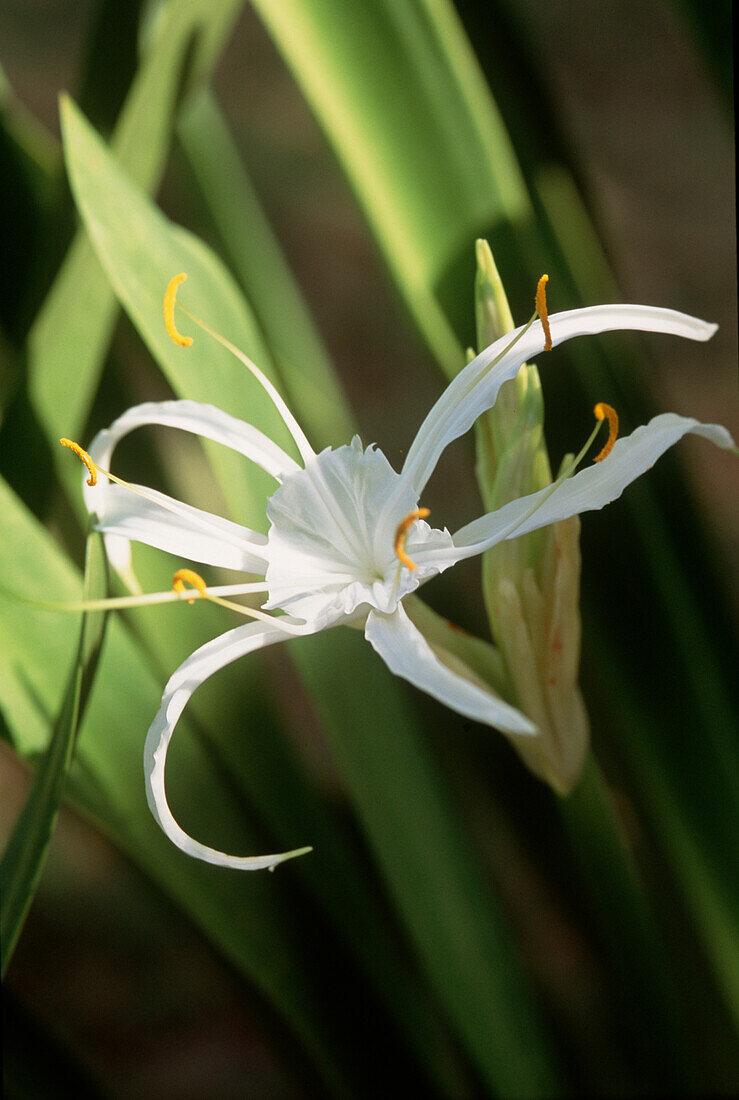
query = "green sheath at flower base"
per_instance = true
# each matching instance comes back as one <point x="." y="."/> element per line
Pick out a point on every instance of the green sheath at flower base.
<point x="531" y="584"/>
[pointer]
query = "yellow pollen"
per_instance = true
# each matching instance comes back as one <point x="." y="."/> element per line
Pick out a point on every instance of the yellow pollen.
<point x="84" y="456"/>
<point x="188" y="576"/>
<point x="607" y="412"/>
<point x="541" y="308"/>
<point x="401" y="534"/>
<point x="170" y="297"/>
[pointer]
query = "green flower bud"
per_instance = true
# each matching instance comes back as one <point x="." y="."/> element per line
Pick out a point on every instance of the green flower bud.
<point x="531" y="584"/>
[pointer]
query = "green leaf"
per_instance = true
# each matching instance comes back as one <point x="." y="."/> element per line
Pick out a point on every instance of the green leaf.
<point x="68" y="340"/>
<point x="35" y="1062"/>
<point x="106" y="781"/>
<point x="140" y="256"/>
<point x="436" y="883"/>
<point x="626" y="923"/>
<point x="696" y="833"/>
<point x="404" y="104"/>
<point x="257" y="260"/>
<point x="24" y="857"/>
<point x="31" y="171"/>
<point x="712" y="25"/>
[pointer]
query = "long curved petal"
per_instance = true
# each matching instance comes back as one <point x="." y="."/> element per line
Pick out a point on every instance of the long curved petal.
<point x="190" y="675"/>
<point x="475" y="389"/>
<point x="189" y="416"/>
<point x="158" y="520"/>
<point x="406" y="653"/>
<point x="204" y="420"/>
<point x="588" y="490"/>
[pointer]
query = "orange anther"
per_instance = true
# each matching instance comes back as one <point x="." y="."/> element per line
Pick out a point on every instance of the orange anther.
<point x="607" y="412"/>
<point x="401" y="534"/>
<point x="188" y="576"/>
<point x="540" y="303"/>
<point x="170" y="297"/>
<point x="84" y="456"/>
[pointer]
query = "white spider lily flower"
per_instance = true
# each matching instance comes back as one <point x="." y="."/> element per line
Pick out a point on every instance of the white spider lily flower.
<point x="347" y="541"/>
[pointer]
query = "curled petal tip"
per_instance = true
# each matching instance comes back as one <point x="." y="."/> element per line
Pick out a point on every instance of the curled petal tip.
<point x="290" y="855"/>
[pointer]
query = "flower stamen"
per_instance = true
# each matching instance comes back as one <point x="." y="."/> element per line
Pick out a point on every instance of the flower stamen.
<point x="170" y="300"/>
<point x="166" y="505"/>
<point x="123" y="603"/>
<point x="84" y="457"/>
<point x="607" y="412"/>
<point x="540" y="303"/>
<point x="188" y="576"/>
<point x="401" y="534"/>
<point x="304" y="447"/>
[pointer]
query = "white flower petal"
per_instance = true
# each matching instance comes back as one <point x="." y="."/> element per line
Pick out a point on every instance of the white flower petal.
<point x="204" y="420"/>
<point x="325" y="508"/>
<point x="589" y="490"/>
<point x="406" y="653"/>
<point x="325" y="562"/>
<point x="190" y="675"/>
<point x="180" y="529"/>
<point x="189" y="416"/>
<point x="475" y="389"/>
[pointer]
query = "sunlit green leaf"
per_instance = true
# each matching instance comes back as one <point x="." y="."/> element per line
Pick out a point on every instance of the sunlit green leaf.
<point x="140" y="256"/>
<point x="24" y="857"/>
<point x="106" y="779"/>
<point x="256" y="258"/>
<point x="404" y="104"/>
<point x="69" y="338"/>
<point x="435" y="881"/>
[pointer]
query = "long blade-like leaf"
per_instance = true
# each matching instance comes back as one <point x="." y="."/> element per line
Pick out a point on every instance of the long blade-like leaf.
<point x="248" y="918"/>
<point x="140" y="258"/>
<point x="398" y="92"/>
<point x="261" y="268"/>
<point x="25" y="854"/>
<point x="68" y="340"/>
